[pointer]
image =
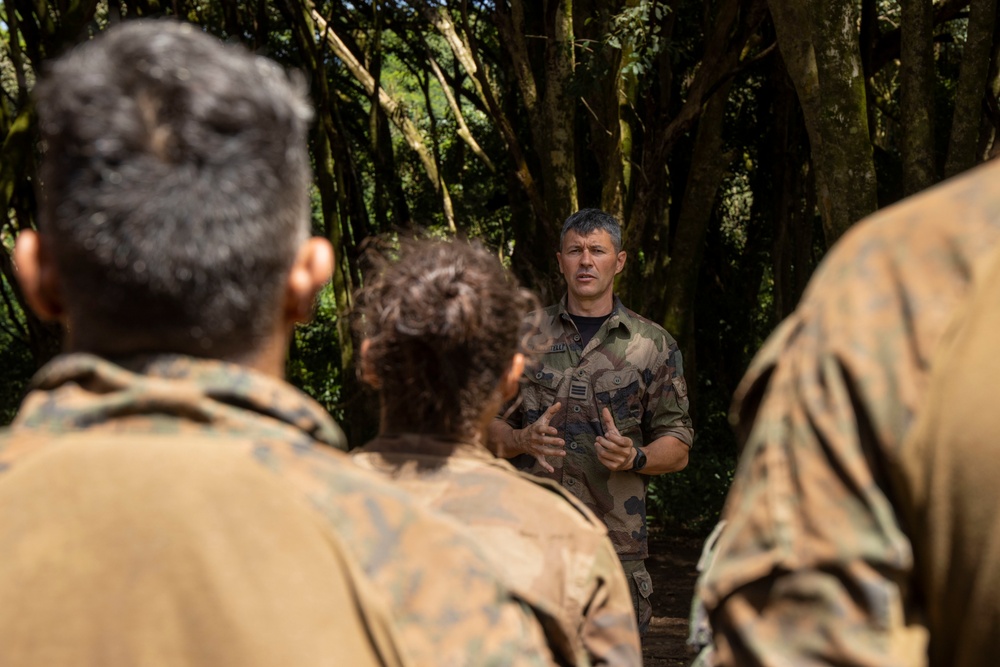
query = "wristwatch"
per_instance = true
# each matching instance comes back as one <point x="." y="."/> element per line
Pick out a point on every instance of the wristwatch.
<point x="640" y="460"/>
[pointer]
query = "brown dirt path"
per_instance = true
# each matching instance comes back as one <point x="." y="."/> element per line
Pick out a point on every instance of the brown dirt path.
<point x="672" y="565"/>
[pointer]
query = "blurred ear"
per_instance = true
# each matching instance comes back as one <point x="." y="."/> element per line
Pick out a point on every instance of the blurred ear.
<point x="312" y="269"/>
<point x="38" y="276"/>
<point x="368" y="374"/>
<point x="511" y="380"/>
<point x="620" y="263"/>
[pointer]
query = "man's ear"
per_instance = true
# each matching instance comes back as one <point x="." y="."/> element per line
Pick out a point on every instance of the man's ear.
<point x="620" y="263"/>
<point x="368" y="374"/>
<point x="38" y="276"/>
<point x="511" y="380"/>
<point x="312" y="268"/>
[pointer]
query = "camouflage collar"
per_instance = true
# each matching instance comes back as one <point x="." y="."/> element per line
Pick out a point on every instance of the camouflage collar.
<point x="77" y="391"/>
<point x="619" y="314"/>
<point x="427" y="445"/>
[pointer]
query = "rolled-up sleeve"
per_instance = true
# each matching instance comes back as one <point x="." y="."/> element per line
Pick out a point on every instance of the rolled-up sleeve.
<point x="667" y="411"/>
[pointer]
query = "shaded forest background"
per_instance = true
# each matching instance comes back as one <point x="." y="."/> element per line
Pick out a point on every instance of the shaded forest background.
<point x="735" y="139"/>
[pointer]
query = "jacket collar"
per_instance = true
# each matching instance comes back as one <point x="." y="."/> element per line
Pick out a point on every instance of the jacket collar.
<point x="619" y="314"/>
<point x="76" y="391"/>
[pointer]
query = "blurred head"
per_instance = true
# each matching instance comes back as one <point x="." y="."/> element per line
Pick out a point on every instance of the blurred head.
<point x="441" y="328"/>
<point x="175" y="184"/>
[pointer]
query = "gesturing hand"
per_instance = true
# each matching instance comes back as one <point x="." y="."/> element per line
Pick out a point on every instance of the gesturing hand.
<point x="614" y="450"/>
<point x="541" y="440"/>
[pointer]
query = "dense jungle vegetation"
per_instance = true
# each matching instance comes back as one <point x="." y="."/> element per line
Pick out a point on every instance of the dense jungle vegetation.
<point x="735" y="139"/>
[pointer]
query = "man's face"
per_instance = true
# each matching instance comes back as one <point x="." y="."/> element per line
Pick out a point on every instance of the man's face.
<point x="589" y="264"/>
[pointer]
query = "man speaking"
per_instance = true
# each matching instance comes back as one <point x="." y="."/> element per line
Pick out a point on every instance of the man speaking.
<point x="605" y="405"/>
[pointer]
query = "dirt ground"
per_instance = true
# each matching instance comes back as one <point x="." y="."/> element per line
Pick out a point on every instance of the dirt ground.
<point x="672" y="566"/>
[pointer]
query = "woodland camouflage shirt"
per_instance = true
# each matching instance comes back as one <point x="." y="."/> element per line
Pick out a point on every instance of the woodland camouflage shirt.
<point x="550" y="548"/>
<point x="816" y="563"/>
<point x="145" y="466"/>
<point x="631" y="366"/>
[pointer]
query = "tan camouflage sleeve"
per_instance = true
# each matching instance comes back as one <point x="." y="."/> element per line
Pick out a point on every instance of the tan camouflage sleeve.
<point x="811" y="566"/>
<point x="610" y="633"/>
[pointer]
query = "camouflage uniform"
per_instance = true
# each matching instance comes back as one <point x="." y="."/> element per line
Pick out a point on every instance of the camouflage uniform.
<point x="816" y="564"/>
<point x="949" y="471"/>
<point x="631" y="366"/>
<point x="144" y="513"/>
<point x="551" y="549"/>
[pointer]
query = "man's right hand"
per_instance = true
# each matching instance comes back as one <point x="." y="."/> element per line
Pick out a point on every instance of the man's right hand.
<point x="541" y="440"/>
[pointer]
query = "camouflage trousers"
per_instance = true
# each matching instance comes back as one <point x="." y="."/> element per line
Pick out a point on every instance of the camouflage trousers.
<point x="641" y="586"/>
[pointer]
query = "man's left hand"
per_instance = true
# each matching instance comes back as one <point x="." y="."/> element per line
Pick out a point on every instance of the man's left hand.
<point x="614" y="450"/>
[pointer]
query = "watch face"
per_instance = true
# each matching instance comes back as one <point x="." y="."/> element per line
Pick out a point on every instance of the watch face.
<point x="640" y="460"/>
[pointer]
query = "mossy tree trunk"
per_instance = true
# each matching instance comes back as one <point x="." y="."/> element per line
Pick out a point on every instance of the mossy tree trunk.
<point x="819" y="43"/>
<point x="917" y="94"/>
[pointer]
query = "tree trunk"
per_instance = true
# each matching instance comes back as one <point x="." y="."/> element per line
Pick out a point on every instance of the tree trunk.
<point x="849" y="187"/>
<point x="972" y="81"/>
<point x="394" y="110"/>
<point x="819" y="43"/>
<point x="709" y="164"/>
<point x="605" y="106"/>
<point x="558" y="112"/>
<point x="732" y="34"/>
<point x="794" y="214"/>
<point x="917" y="94"/>
<point x="538" y="228"/>
<point x="991" y="117"/>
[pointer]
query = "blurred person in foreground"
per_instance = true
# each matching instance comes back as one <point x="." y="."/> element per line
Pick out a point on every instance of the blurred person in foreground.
<point x="165" y="497"/>
<point x="440" y="330"/>
<point x="605" y="405"/>
<point x="862" y="525"/>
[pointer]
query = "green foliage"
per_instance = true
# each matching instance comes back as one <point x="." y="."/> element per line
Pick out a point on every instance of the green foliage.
<point x="15" y="358"/>
<point x="17" y="365"/>
<point x="690" y="500"/>
<point x="638" y="32"/>
<point x="314" y="356"/>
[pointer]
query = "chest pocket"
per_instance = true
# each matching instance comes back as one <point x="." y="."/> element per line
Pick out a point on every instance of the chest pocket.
<point x="621" y="391"/>
<point x="539" y="393"/>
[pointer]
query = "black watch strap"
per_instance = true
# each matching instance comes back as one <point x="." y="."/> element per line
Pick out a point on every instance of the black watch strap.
<point x="639" y="462"/>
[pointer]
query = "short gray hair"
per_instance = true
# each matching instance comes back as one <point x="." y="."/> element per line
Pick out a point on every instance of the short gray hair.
<point x="588" y="220"/>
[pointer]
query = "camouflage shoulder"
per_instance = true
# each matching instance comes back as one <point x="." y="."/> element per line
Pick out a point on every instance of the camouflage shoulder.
<point x="541" y="327"/>
<point x="551" y="310"/>
<point x="542" y="318"/>
<point x="449" y="605"/>
<point x="18" y="443"/>
<point x="558" y="491"/>
<point x="910" y="231"/>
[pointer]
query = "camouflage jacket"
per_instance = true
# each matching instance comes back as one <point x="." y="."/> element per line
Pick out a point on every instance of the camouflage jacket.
<point x="947" y="484"/>
<point x="549" y="547"/>
<point x="187" y="505"/>
<point x="631" y="366"/>
<point x="816" y="563"/>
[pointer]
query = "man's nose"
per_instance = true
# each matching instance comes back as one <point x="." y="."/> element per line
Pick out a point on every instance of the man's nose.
<point x="586" y="259"/>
